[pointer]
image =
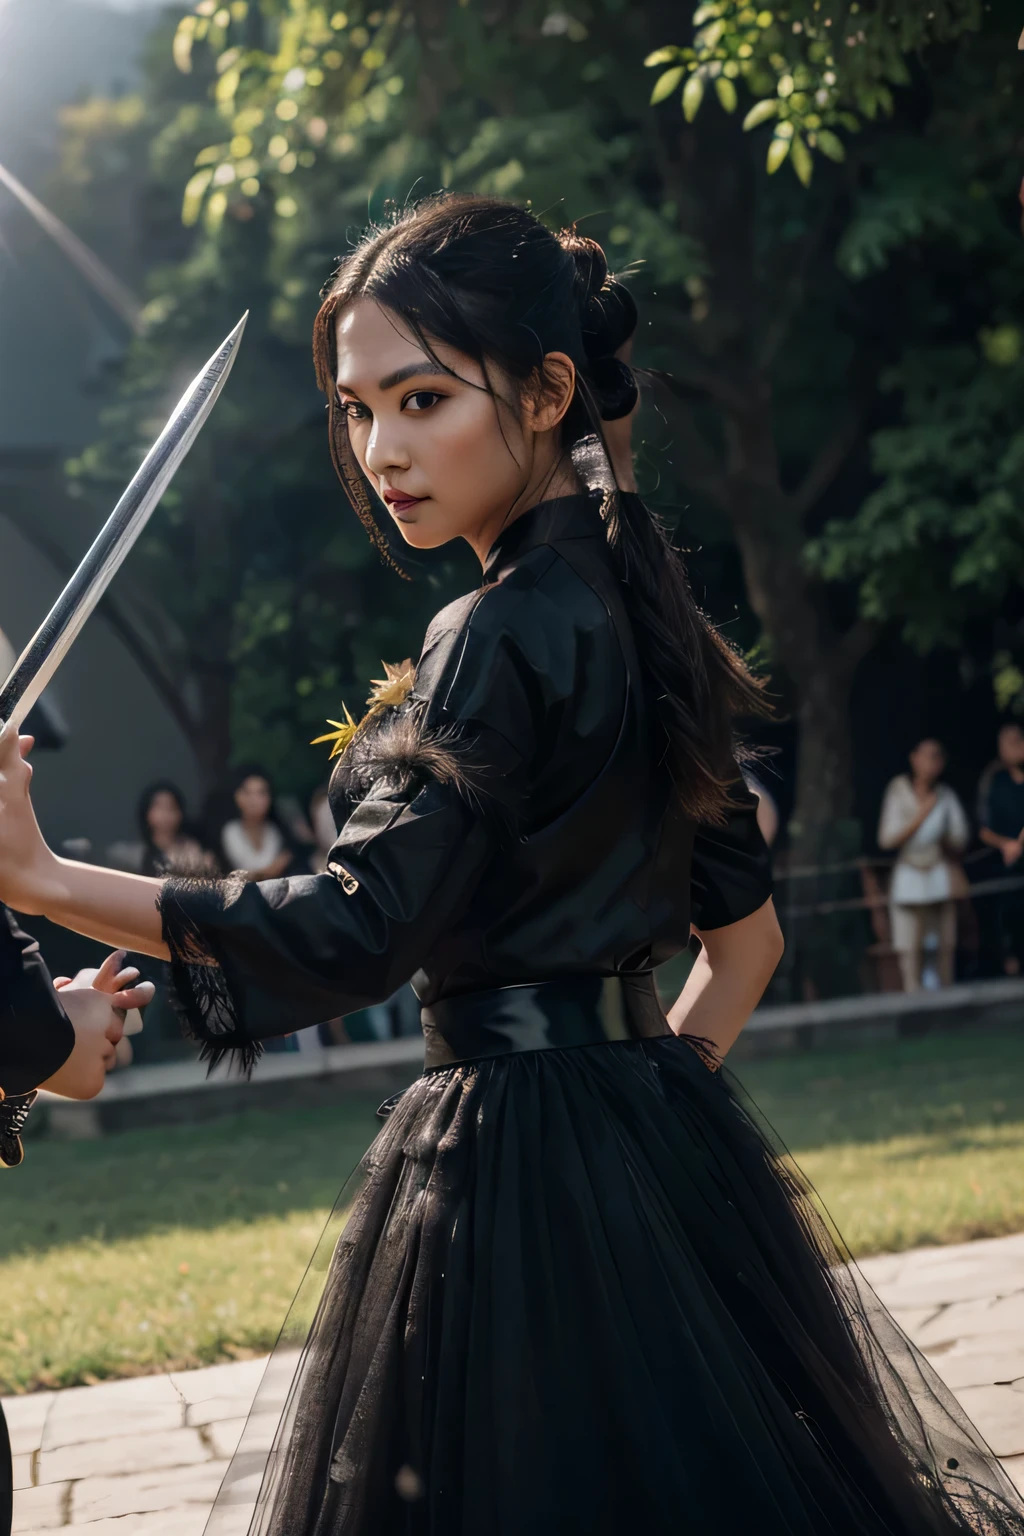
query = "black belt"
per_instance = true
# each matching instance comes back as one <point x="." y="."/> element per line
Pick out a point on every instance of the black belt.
<point x="542" y="1016"/>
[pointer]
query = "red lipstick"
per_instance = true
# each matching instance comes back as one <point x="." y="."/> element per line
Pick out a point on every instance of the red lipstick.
<point x="399" y="503"/>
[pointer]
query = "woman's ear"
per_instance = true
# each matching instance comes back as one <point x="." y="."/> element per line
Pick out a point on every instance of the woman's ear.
<point x="551" y="394"/>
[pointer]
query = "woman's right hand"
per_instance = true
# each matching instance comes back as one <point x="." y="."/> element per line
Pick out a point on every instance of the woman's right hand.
<point x="27" y="867"/>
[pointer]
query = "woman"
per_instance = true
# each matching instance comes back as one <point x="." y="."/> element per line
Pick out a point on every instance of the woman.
<point x="923" y="819"/>
<point x="167" y="840"/>
<point x="254" y="841"/>
<point x="576" y="1291"/>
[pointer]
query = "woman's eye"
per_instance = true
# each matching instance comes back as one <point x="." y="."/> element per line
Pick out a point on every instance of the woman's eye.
<point x="355" y="410"/>
<point x="422" y="399"/>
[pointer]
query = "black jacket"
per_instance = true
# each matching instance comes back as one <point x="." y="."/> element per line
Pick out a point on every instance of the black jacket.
<point x="511" y="821"/>
<point x="36" y="1035"/>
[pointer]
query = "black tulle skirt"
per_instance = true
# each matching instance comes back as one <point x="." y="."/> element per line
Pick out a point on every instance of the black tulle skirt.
<point x="581" y="1290"/>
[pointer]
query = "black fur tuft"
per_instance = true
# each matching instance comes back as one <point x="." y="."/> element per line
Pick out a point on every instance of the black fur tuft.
<point x="200" y="992"/>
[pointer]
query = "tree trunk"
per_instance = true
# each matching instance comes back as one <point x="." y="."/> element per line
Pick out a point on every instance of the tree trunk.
<point x="211" y="738"/>
<point x="209" y="662"/>
<point x="824" y="941"/>
<point x="824" y="796"/>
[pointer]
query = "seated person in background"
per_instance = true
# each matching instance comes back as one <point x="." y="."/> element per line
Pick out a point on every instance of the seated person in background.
<point x="924" y="820"/>
<point x="59" y="1035"/>
<point x="1001" y="828"/>
<point x="167" y="841"/>
<point x="255" y="841"/>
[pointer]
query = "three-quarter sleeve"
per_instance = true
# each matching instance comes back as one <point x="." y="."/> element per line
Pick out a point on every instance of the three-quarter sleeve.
<point x="36" y="1035"/>
<point x="250" y="960"/>
<point x="730" y="872"/>
<point x="444" y="775"/>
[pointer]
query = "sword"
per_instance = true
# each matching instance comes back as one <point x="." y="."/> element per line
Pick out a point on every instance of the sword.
<point x="57" y="633"/>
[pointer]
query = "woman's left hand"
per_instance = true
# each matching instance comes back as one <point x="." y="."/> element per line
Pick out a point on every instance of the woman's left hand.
<point x="27" y="867"/>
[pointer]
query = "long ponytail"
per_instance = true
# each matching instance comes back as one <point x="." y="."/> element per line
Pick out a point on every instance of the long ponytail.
<point x="699" y="682"/>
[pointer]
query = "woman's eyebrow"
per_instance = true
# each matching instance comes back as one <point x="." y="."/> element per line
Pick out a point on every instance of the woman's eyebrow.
<point x="425" y="369"/>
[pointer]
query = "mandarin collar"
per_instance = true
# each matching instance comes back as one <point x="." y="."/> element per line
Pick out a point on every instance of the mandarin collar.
<point x="567" y="517"/>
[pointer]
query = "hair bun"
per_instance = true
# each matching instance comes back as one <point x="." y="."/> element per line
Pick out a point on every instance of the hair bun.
<point x="608" y="318"/>
<point x="606" y="307"/>
<point x="613" y="387"/>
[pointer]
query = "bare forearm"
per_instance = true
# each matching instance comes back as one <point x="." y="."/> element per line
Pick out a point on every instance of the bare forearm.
<point x="106" y="904"/>
<point x="728" y="979"/>
<point x="716" y="1006"/>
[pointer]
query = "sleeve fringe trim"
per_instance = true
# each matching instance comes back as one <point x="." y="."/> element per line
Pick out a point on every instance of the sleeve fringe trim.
<point x="200" y="991"/>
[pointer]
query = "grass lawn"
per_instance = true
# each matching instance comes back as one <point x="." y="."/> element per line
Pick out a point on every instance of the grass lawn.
<point x="183" y="1246"/>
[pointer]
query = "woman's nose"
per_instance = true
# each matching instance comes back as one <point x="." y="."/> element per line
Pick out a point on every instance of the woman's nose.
<point x="385" y="448"/>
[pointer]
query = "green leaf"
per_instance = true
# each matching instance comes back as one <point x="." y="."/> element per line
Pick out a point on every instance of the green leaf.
<point x="661" y="56"/>
<point x="666" y="84"/>
<point x="802" y="160"/>
<point x="182" y="45"/>
<point x="1002" y="345"/>
<point x="192" y="199"/>
<point x="726" y="92"/>
<point x="760" y="113"/>
<point x="693" y="95"/>
<point x="778" y="149"/>
<point x="831" y="145"/>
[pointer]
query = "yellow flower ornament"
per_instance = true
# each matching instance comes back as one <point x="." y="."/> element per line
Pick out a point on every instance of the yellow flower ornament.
<point x="386" y="692"/>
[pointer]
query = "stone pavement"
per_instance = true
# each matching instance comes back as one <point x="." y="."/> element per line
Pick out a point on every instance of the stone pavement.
<point x="128" y="1458"/>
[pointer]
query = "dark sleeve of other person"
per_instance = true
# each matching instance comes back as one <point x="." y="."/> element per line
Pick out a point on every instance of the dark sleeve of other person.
<point x="1005" y="805"/>
<point x="36" y="1035"/>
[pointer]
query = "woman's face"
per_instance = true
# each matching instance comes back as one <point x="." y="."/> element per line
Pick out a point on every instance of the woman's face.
<point x="253" y="798"/>
<point x="163" y="818"/>
<point x="448" y="459"/>
<point x="927" y="761"/>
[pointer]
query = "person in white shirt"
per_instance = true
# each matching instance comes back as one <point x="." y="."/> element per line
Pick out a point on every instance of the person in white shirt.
<point x="255" y="842"/>
<point x="923" y="820"/>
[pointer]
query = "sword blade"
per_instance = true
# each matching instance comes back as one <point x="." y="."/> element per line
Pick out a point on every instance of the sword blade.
<point x="55" y="636"/>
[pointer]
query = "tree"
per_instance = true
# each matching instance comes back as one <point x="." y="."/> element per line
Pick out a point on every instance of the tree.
<point x="254" y="601"/>
<point x="815" y="66"/>
<point x="938" y="547"/>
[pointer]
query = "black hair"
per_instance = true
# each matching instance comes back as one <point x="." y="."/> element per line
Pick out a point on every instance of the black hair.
<point x="149" y="794"/>
<point x="238" y="776"/>
<point x="153" y="859"/>
<point x="486" y="277"/>
<point x="219" y="808"/>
